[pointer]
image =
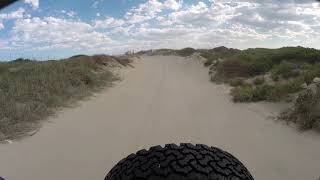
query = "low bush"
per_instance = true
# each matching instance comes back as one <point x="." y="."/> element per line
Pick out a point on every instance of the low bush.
<point x="306" y="112"/>
<point x="285" y="70"/>
<point x="235" y="68"/>
<point x="283" y="62"/>
<point x="264" y="92"/>
<point x="262" y="65"/>
<point x="252" y="94"/>
<point x="242" y="94"/>
<point x="310" y="72"/>
<point x="258" y="81"/>
<point x="210" y="57"/>
<point x="236" y="82"/>
<point x="218" y="53"/>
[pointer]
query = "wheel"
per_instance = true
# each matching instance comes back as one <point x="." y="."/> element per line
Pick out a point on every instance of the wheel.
<point x="184" y="162"/>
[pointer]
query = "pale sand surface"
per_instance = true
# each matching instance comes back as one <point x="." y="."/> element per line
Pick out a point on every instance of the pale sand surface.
<point x="162" y="100"/>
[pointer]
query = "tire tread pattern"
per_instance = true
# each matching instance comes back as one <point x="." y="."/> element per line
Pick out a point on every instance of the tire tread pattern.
<point x="184" y="162"/>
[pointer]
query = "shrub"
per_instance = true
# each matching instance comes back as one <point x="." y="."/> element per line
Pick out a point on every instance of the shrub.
<point x="262" y="93"/>
<point x="218" y="53"/>
<point x="309" y="74"/>
<point x="242" y="94"/>
<point x="207" y="63"/>
<point x="281" y="91"/>
<point x="308" y="77"/>
<point x="291" y="87"/>
<point x="248" y="93"/>
<point x="306" y="66"/>
<point x="210" y="57"/>
<point x="262" y="65"/>
<point x="275" y="77"/>
<point x="235" y="68"/>
<point x="306" y="111"/>
<point x="258" y="81"/>
<point x="285" y="70"/>
<point x="236" y="82"/>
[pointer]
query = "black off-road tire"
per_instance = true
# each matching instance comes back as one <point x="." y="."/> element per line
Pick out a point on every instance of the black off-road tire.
<point x="184" y="162"/>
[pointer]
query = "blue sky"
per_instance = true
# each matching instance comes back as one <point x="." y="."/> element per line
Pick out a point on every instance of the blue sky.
<point x="45" y="29"/>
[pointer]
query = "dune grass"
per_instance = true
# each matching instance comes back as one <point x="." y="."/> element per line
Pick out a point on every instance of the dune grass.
<point x="291" y="66"/>
<point x="272" y="75"/>
<point x="30" y="90"/>
<point x="264" y="92"/>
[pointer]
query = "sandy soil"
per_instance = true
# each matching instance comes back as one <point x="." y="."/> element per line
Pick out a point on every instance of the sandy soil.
<point x="162" y="100"/>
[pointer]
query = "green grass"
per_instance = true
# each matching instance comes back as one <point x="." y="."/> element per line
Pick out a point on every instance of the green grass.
<point x="30" y="91"/>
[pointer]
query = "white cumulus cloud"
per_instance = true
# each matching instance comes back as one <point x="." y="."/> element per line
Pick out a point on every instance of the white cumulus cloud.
<point x="33" y="3"/>
<point x="57" y="33"/>
<point x="1" y="26"/>
<point x="109" y="22"/>
<point x="17" y="14"/>
<point x="173" y="4"/>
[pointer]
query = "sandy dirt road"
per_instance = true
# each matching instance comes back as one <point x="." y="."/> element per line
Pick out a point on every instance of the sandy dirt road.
<point x="163" y="100"/>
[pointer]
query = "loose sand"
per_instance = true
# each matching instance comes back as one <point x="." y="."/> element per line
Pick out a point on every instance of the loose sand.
<point x="163" y="100"/>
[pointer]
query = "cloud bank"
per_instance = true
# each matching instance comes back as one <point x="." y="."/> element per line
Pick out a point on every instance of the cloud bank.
<point x="171" y="24"/>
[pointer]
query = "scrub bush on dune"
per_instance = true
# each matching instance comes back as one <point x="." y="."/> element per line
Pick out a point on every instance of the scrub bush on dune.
<point x="306" y="110"/>
<point x="247" y="93"/>
<point x="234" y="68"/>
<point x="282" y="71"/>
<point x="264" y="92"/>
<point x="285" y="70"/>
<point x="30" y="91"/>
